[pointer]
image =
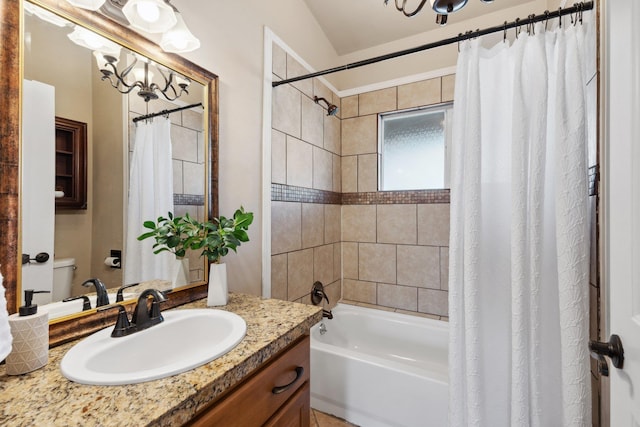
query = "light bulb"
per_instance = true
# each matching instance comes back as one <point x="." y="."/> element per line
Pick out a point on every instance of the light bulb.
<point x="179" y="38"/>
<point x="139" y="74"/>
<point x="90" y="40"/>
<point x="151" y="16"/>
<point x="148" y="11"/>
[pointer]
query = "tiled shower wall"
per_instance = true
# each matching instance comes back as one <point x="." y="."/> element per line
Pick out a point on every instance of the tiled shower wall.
<point x="305" y="209"/>
<point x="188" y="152"/>
<point x="395" y="244"/>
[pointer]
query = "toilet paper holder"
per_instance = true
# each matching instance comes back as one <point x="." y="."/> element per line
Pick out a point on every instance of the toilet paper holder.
<point x="114" y="260"/>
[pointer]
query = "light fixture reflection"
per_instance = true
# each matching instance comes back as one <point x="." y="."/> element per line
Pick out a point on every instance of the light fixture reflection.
<point x="45" y="15"/>
<point x="87" y="4"/>
<point x="90" y="40"/>
<point x="138" y="75"/>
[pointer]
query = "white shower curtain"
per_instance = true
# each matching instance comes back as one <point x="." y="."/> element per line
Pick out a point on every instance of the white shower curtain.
<point x="518" y="290"/>
<point x="150" y="196"/>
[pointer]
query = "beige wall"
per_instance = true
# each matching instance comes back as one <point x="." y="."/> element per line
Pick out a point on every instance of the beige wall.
<point x="108" y="176"/>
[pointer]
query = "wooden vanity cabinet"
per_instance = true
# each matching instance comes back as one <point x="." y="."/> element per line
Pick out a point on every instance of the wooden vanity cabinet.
<point x="277" y="394"/>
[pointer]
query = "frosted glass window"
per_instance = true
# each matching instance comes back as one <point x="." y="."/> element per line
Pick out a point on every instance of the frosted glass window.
<point x="413" y="149"/>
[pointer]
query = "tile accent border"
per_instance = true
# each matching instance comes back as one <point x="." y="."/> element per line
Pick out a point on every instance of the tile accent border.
<point x="188" y="199"/>
<point x="290" y="193"/>
<point x="396" y="197"/>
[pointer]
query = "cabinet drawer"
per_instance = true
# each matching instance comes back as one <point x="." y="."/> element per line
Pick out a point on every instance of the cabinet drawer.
<point x="294" y="413"/>
<point x="255" y="400"/>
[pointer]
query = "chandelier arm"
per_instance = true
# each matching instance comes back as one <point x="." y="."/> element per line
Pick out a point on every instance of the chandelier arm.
<point x="127" y="70"/>
<point x="119" y="77"/>
<point x="119" y="83"/>
<point x="167" y="81"/>
<point x="415" y="12"/>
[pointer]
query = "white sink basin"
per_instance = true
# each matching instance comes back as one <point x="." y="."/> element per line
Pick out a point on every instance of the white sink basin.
<point x="185" y="340"/>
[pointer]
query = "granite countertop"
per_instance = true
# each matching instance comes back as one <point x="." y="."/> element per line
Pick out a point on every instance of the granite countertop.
<point x="45" y="398"/>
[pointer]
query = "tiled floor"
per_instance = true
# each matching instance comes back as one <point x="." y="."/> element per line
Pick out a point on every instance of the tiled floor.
<point x="320" y="419"/>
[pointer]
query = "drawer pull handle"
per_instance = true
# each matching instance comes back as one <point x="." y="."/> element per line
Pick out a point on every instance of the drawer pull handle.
<point x="282" y="388"/>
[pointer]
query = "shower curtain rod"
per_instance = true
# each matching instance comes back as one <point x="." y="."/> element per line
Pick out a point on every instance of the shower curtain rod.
<point x="576" y="8"/>
<point x="166" y="112"/>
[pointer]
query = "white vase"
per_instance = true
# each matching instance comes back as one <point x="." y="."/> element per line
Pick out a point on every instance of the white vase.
<point x="218" y="294"/>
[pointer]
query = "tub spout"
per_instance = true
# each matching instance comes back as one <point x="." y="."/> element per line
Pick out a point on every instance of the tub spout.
<point x="322" y="329"/>
<point x="327" y="313"/>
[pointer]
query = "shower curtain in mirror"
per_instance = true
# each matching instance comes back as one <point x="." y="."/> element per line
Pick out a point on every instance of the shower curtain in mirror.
<point x="518" y="292"/>
<point x="150" y="196"/>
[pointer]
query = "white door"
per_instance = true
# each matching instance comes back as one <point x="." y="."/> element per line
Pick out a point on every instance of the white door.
<point x="621" y="159"/>
<point x="38" y="186"/>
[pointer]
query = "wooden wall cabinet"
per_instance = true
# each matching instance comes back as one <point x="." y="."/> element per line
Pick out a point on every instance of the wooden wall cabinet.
<point x="71" y="164"/>
<point x="276" y="395"/>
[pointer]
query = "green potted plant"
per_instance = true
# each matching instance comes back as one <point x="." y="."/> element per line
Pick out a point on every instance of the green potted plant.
<point x="214" y="238"/>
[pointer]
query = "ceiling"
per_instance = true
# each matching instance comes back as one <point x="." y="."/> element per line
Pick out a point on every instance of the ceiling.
<point x="353" y="25"/>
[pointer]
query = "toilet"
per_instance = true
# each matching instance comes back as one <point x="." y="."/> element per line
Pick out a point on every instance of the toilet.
<point x="62" y="278"/>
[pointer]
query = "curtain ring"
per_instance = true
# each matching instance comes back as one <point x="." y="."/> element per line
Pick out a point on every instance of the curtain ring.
<point x="459" y="40"/>
<point x="560" y="16"/>
<point x="581" y="9"/>
<point x="504" y="34"/>
<point x="517" y="27"/>
<point x="532" y="24"/>
<point x="546" y="19"/>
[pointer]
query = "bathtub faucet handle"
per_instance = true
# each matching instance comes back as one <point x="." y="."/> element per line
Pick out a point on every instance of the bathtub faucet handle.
<point x="317" y="293"/>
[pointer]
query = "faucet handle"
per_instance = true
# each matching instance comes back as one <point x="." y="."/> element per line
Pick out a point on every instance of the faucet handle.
<point x="86" y="303"/>
<point x="119" y="296"/>
<point x="123" y="326"/>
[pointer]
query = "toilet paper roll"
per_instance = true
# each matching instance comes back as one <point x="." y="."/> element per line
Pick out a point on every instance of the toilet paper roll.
<point x="112" y="261"/>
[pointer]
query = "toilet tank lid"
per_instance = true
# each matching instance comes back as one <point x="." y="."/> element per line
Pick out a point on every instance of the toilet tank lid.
<point x="64" y="262"/>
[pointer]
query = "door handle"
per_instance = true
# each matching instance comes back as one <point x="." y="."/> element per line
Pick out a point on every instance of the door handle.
<point x="612" y="349"/>
<point x="40" y="258"/>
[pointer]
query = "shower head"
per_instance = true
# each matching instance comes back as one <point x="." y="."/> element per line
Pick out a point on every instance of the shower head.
<point x="332" y="109"/>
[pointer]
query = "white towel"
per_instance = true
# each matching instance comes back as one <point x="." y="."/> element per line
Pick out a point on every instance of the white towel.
<point x="5" y="331"/>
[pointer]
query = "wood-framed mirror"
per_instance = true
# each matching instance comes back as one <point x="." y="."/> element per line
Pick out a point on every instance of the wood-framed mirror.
<point x="12" y="64"/>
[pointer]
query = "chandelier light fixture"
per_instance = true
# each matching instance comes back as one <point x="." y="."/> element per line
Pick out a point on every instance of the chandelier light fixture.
<point x="141" y="77"/>
<point x="148" y="16"/>
<point x="442" y="8"/>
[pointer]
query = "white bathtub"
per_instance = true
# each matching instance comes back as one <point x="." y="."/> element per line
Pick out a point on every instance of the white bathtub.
<point x="378" y="369"/>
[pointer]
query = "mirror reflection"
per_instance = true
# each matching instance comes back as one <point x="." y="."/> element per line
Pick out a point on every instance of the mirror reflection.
<point x="92" y="176"/>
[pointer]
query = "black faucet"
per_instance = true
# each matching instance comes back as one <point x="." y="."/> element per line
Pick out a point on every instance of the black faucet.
<point x="101" y="291"/>
<point x="145" y="317"/>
